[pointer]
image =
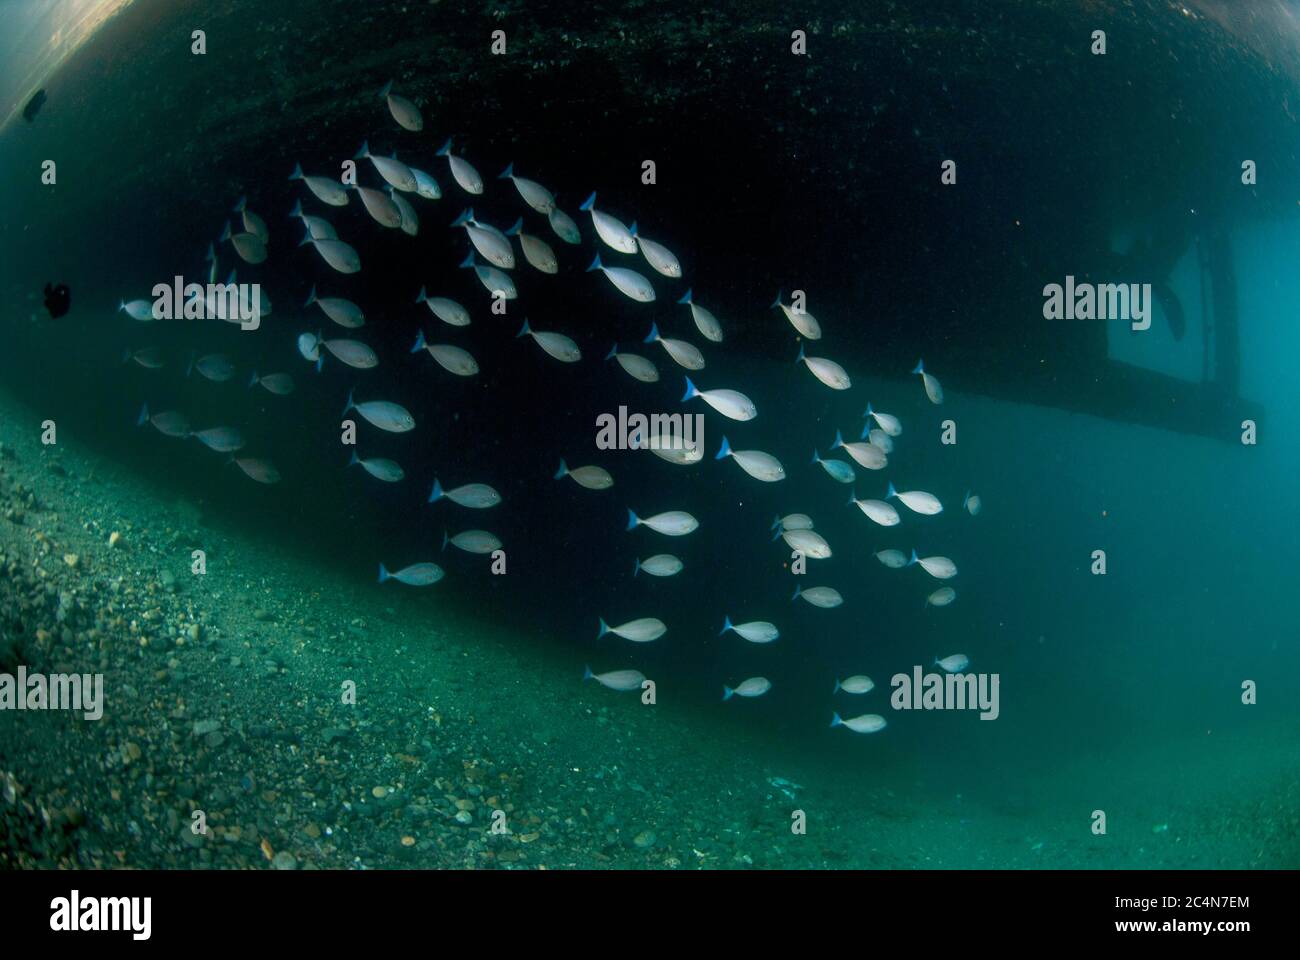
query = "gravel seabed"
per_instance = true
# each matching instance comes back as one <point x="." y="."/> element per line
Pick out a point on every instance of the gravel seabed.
<point x="224" y="694"/>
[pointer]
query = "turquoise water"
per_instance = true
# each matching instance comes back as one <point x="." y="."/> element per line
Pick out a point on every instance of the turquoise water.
<point x="360" y="724"/>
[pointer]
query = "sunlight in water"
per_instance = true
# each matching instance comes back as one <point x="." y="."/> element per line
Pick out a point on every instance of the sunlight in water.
<point x="40" y="36"/>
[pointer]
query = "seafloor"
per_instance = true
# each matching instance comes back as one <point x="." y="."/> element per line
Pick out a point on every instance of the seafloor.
<point x="224" y="696"/>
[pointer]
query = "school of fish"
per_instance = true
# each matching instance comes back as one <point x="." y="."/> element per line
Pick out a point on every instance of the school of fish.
<point x="491" y="255"/>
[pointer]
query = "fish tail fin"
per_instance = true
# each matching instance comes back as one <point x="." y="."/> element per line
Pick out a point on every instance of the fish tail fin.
<point x="797" y="591"/>
<point x="320" y="360"/>
<point x="727" y="692"/>
<point x="563" y="471"/>
<point x="240" y="204"/>
<point x="777" y="302"/>
<point x="422" y="296"/>
<point x="776" y="522"/>
<point x="388" y="87"/>
<point x="631" y="231"/>
<point x="853" y="497"/>
<point x="436" y="493"/>
<point x="350" y="405"/>
<point x="839" y="437"/>
<point x="468" y="261"/>
<point x="586" y="671"/>
<point x="383" y="573"/>
<point x="891" y="492"/>
<point x="311" y="296"/>
<point x="595" y="264"/>
<point x="686" y="297"/>
<point x="868" y="411"/>
<point x="866" y="430"/>
<point x="589" y="202"/>
<point x="253" y="381"/>
<point x="604" y="628"/>
<point x="295" y="212"/>
<point x="835" y="720"/>
<point x="613" y="352"/>
<point x="816" y="457"/>
<point x="524" y="330"/>
<point x="419" y="342"/>
<point x="801" y="357"/>
<point x="653" y="335"/>
<point x="920" y="367"/>
<point x="306" y="237"/>
<point x="777" y="530"/>
<point x="445" y="149"/>
<point x="837" y="686"/>
<point x="724" y="450"/>
<point x="445" y="539"/>
<point x="297" y="172"/>
<point x="915" y="558"/>
<point x="464" y="217"/>
<point x="354" y="459"/>
<point x="225" y="232"/>
<point x="144" y="415"/>
<point x="637" y="567"/>
<point x="936" y="662"/>
<point x="691" y="390"/>
<point x="726" y="625"/>
<point x="508" y="173"/>
<point x="516" y="228"/>
<point x="632" y="520"/>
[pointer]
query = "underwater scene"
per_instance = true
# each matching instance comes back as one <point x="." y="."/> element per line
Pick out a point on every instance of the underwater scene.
<point x="522" y="434"/>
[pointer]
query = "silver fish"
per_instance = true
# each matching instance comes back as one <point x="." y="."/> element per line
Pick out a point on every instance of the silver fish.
<point x="343" y="312"/>
<point x="404" y="111"/>
<point x="390" y="471"/>
<point x="462" y="171"/>
<point x="621" y="680"/>
<point x="416" y="575"/>
<point x="473" y="541"/>
<point x="644" y="630"/>
<point x="393" y="171"/>
<point x="263" y="471"/>
<point x="170" y="423"/>
<point x="381" y="413"/>
<point x="220" y="439"/>
<point x="280" y="384"/>
<point x="448" y="311"/>
<point x="476" y="496"/>
<point x="326" y="190"/>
